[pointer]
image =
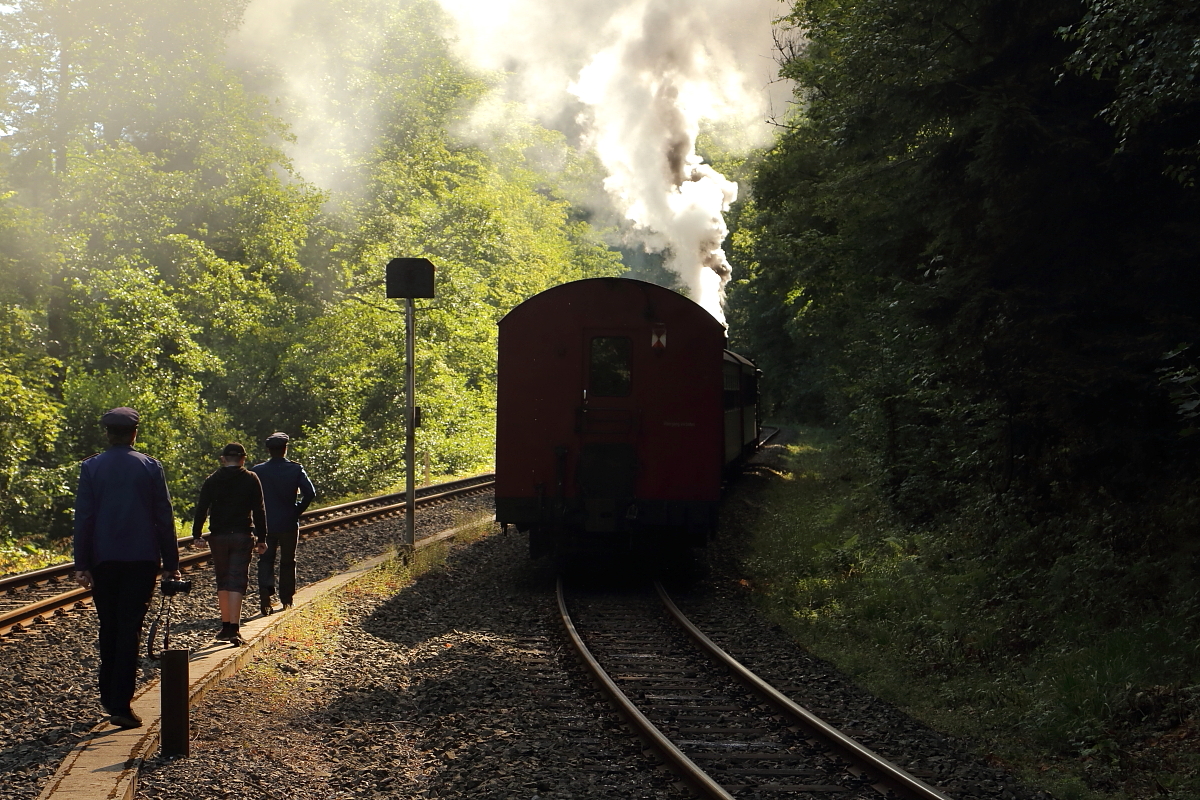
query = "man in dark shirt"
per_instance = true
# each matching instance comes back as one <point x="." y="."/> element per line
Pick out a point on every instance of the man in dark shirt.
<point x="232" y="500"/>
<point x="281" y="480"/>
<point x="124" y="536"/>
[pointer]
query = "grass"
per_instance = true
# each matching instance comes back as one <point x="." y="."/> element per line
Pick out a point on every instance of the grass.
<point x="31" y="552"/>
<point x="1089" y="706"/>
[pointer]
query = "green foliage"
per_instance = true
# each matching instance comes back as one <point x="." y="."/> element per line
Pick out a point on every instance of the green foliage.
<point x="23" y="555"/>
<point x="1182" y="378"/>
<point x="1151" y="48"/>
<point x="30" y="425"/>
<point x="158" y="249"/>
<point x="961" y="268"/>
<point x="958" y="255"/>
<point x="1062" y="666"/>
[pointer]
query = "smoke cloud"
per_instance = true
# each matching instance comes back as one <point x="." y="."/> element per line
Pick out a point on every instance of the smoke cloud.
<point x="632" y="80"/>
<point x="311" y="57"/>
<point x="638" y="77"/>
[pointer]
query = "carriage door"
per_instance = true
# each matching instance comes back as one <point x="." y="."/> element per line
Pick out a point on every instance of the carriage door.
<point x="608" y="424"/>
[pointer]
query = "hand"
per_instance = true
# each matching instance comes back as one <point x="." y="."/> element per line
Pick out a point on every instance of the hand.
<point x="260" y="548"/>
<point x="173" y="575"/>
<point x="195" y="544"/>
<point x="83" y="578"/>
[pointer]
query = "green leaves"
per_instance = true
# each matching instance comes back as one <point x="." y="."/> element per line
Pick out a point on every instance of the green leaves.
<point x="159" y="249"/>
<point x="943" y="253"/>
<point x="30" y="425"/>
<point x="1151" y="49"/>
<point x="1181" y="377"/>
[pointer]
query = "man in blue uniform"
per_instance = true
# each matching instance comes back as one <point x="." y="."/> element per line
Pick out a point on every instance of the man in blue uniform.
<point x="124" y="538"/>
<point x="281" y="480"/>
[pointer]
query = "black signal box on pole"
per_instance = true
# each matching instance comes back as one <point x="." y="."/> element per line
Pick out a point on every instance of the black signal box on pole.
<point x="410" y="277"/>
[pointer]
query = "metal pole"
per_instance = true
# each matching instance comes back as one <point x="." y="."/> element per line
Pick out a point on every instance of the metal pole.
<point x="410" y="437"/>
<point x="173" y="703"/>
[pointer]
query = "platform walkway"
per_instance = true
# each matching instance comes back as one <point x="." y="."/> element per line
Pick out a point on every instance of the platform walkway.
<point x="104" y="764"/>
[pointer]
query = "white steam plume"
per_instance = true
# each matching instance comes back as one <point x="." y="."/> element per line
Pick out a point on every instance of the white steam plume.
<point x="647" y="73"/>
<point x="301" y="50"/>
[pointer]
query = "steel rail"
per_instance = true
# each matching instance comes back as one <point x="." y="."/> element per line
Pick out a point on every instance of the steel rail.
<point x="21" y="580"/>
<point x="697" y="778"/>
<point x="40" y="609"/>
<point x="887" y="773"/>
<point x="392" y="509"/>
<point x="79" y="598"/>
<point x="765" y="435"/>
<point x="481" y="480"/>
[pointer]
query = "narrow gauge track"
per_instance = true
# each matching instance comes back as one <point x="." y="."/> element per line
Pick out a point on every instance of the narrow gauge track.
<point x="721" y="728"/>
<point x="28" y="597"/>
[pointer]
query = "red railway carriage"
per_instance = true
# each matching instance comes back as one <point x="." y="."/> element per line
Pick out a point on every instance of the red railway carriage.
<point x="618" y="408"/>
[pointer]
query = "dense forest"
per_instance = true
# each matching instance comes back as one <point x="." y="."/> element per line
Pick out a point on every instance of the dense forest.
<point x="972" y="247"/>
<point x="973" y="252"/>
<point x="981" y="233"/>
<point x="976" y="245"/>
<point x="159" y="249"/>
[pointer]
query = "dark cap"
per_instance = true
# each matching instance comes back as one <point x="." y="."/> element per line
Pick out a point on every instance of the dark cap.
<point x="278" y="439"/>
<point x="234" y="450"/>
<point x="123" y="417"/>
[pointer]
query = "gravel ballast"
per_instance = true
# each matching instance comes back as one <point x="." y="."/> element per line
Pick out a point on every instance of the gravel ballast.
<point x="458" y="686"/>
<point x="48" y="673"/>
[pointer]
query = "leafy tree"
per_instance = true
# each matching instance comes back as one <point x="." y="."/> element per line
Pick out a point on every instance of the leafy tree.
<point x="969" y="251"/>
<point x="159" y="249"/>
<point x="492" y="222"/>
<point x="1151" y="48"/>
<point x="965" y="273"/>
<point x="30" y="424"/>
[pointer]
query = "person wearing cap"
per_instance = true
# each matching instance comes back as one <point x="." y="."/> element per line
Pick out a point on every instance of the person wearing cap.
<point x="124" y="540"/>
<point x="282" y="479"/>
<point x="232" y="501"/>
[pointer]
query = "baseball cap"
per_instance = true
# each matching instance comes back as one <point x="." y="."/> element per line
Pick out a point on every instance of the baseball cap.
<point x="121" y="417"/>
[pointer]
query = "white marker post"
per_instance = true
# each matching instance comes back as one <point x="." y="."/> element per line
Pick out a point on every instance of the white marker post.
<point x="410" y="278"/>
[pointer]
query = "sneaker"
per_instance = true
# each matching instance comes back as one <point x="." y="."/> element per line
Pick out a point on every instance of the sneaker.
<point x="126" y="719"/>
<point x="236" y="639"/>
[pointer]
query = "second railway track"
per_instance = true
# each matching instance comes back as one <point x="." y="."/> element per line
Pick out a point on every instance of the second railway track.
<point x="30" y="597"/>
<point x="48" y="672"/>
<point x="724" y="731"/>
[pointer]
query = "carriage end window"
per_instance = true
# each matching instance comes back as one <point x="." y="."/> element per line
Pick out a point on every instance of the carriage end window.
<point x="609" y="369"/>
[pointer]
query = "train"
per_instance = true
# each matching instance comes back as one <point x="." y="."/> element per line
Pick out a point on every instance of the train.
<point x="619" y="415"/>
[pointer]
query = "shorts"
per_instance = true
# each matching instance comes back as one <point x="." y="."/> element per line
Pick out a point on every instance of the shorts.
<point x="231" y="560"/>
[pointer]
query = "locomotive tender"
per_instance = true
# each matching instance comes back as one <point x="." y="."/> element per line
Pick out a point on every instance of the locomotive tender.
<point x="618" y="412"/>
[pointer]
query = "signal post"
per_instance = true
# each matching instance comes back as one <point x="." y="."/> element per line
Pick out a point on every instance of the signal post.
<point x="410" y="278"/>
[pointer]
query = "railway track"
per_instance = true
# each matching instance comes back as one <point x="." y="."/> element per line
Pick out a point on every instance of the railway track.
<point x="30" y="597"/>
<point x="722" y="729"/>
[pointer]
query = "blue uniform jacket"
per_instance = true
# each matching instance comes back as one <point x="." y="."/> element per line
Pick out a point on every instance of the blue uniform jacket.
<point x="123" y="511"/>
<point x="281" y="479"/>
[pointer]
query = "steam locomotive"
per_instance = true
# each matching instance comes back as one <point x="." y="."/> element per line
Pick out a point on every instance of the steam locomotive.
<point x="619" y="411"/>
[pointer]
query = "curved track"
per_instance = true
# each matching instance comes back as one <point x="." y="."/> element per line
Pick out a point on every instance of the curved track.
<point x="32" y="596"/>
<point x="721" y="728"/>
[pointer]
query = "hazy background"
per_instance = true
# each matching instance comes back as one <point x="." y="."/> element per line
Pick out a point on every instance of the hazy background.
<point x="633" y="82"/>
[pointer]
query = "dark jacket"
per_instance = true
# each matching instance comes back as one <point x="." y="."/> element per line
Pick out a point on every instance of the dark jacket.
<point x="123" y="511"/>
<point x="232" y="500"/>
<point x="281" y="478"/>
